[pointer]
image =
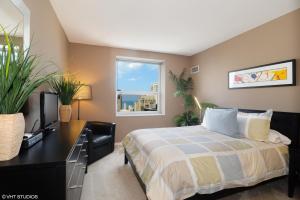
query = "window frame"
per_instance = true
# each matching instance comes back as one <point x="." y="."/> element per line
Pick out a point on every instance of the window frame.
<point x="160" y="94"/>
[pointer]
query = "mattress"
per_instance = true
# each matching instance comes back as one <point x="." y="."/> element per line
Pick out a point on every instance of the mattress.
<point x="176" y="163"/>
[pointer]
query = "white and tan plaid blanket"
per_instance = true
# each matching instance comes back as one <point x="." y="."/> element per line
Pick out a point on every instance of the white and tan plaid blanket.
<point x="176" y="163"/>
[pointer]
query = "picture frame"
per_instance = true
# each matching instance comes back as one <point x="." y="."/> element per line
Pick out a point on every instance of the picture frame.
<point x="269" y="75"/>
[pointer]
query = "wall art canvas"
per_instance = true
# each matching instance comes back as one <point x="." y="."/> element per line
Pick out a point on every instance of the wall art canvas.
<point x="270" y="75"/>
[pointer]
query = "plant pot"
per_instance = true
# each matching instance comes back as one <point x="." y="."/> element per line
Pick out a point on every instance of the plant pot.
<point x="65" y="112"/>
<point x="12" y="127"/>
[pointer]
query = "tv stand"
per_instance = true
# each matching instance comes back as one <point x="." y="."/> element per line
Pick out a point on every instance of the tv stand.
<point x="54" y="168"/>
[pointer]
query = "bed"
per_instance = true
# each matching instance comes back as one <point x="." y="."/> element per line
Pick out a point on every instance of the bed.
<point x="190" y="162"/>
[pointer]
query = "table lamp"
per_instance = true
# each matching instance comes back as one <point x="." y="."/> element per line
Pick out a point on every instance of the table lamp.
<point x="84" y="93"/>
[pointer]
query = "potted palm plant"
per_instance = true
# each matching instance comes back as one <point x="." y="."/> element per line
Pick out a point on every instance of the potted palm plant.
<point x="66" y="87"/>
<point x="19" y="77"/>
<point x="184" y="87"/>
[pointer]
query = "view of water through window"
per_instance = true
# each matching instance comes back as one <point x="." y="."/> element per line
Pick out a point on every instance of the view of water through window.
<point x="137" y="86"/>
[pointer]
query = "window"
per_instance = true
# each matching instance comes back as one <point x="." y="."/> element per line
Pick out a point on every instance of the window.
<point x="3" y="52"/>
<point x="139" y="87"/>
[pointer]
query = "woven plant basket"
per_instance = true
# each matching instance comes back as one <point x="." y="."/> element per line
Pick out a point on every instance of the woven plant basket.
<point x="65" y="112"/>
<point x="12" y="127"/>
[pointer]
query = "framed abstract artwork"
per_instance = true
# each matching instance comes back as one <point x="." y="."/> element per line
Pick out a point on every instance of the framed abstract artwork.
<point x="270" y="75"/>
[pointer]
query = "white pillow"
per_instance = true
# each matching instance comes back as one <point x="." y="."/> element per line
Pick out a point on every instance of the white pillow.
<point x="276" y="137"/>
<point x="205" y="117"/>
<point x="255" y="126"/>
<point x="223" y="121"/>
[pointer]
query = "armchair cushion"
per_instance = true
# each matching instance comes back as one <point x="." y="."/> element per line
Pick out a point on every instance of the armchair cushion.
<point x="102" y="128"/>
<point x="100" y="140"/>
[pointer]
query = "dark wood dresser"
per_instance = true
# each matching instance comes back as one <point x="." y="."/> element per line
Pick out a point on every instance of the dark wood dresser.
<point x="54" y="168"/>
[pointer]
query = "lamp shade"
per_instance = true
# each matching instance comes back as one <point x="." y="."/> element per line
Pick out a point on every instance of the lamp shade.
<point x="84" y="93"/>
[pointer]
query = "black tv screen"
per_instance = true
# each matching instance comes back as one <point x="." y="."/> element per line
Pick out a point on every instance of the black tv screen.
<point x="49" y="109"/>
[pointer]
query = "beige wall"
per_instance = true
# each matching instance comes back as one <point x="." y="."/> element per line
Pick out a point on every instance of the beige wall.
<point x="49" y="42"/>
<point x="48" y="38"/>
<point x="96" y="66"/>
<point x="275" y="41"/>
<point x="272" y="42"/>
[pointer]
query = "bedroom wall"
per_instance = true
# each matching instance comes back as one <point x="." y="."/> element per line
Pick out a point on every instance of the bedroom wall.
<point x="274" y="41"/>
<point x="95" y="65"/>
<point x="50" y="43"/>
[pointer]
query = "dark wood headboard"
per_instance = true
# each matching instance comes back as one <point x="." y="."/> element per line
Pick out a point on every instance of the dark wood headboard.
<point x="286" y="123"/>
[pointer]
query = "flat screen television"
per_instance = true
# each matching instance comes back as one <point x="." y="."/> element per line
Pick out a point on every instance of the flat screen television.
<point x="49" y="109"/>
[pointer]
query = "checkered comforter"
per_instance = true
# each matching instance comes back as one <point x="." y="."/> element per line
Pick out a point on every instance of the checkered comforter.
<point x="176" y="163"/>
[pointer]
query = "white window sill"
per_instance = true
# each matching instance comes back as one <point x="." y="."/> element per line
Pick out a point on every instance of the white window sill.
<point x="139" y="114"/>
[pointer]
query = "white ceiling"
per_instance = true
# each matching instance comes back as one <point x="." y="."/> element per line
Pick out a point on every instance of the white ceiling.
<point x="182" y="27"/>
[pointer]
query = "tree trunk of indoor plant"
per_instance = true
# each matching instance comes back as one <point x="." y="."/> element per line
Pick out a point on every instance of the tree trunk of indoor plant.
<point x="12" y="127"/>
<point x="65" y="112"/>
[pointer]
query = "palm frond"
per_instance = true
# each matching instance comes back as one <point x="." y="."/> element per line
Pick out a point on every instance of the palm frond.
<point x="188" y="118"/>
<point x="205" y="105"/>
<point x="184" y="86"/>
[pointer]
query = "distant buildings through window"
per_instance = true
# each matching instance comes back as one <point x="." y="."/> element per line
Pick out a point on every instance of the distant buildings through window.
<point x="138" y="87"/>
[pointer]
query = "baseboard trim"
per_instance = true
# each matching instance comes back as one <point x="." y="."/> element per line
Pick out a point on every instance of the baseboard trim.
<point x="118" y="144"/>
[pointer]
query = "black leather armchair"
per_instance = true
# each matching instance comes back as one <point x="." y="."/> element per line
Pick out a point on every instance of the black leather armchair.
<point x="101" y="140"/>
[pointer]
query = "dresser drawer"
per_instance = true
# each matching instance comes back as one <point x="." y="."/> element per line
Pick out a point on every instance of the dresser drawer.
<point x="85" y="143"/>
<point x="69" y="169"/>
<point x="81" y="144"/>
<point x="81" y="139"/>
<point x="83" y="157"/>
<point x="76" y="167"/>
<point x="75" y="154"/>
<point x="74" y="194"/>
<point x="70" y="164"/>
<point x="81" y="176"/>
<point x="76" y="182"/>
<point x="73" y="182"/>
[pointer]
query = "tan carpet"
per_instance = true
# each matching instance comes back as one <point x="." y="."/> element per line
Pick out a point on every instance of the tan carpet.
<point x="110" y="179"/>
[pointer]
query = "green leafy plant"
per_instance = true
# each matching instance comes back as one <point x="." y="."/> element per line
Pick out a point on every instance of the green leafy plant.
<point x="205" y="105"/>
<point x="20" y="75"/>
<point x="184" y="87"/>
<point x="186" y="119"/>
<point x="66" y="88"/>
